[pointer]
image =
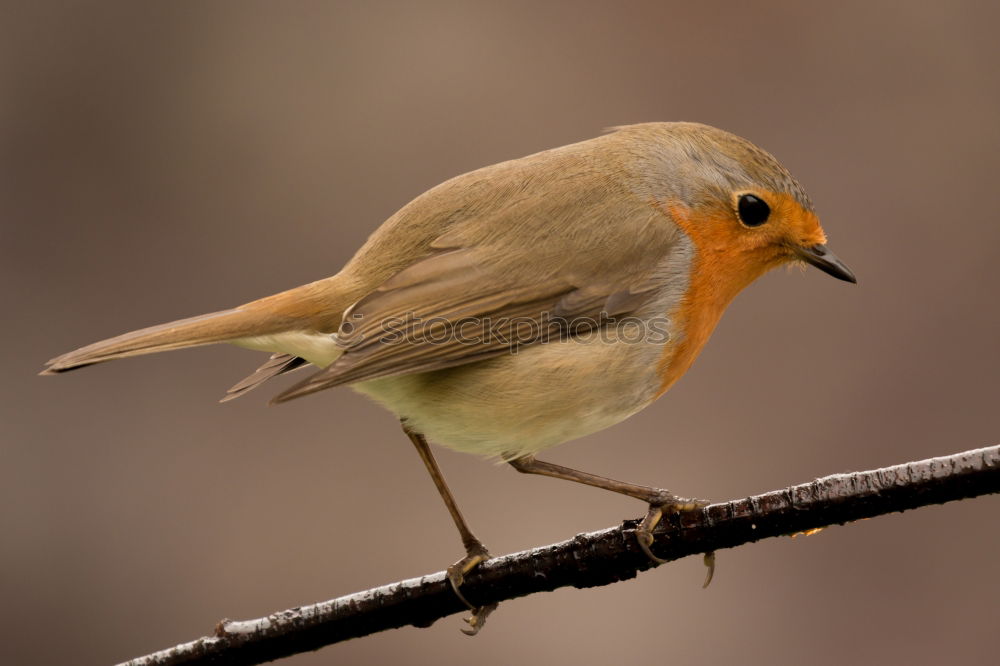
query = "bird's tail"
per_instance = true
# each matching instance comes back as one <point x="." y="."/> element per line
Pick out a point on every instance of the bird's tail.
<point x="315" y="307"/>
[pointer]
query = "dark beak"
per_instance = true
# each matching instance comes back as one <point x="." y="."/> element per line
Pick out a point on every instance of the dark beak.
<point x="826" y="261"/>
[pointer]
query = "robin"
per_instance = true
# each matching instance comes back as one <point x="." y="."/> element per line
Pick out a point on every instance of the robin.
<point x="531" y="302"/>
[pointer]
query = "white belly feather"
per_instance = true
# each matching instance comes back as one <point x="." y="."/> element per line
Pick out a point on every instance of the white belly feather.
<point x="516" y="405"/>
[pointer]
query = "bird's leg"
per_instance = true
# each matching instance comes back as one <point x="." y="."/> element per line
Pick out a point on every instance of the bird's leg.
<point x="660" y="501"/>
<point x="475" y="551"/>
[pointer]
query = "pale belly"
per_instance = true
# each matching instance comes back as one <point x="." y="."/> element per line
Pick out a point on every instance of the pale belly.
<point x="520" y="404"/>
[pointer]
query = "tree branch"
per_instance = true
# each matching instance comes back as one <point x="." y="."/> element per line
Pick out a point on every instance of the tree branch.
<point x="595" y="558"/>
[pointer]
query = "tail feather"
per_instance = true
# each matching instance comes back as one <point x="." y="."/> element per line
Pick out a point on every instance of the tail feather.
<point x="315" y="307"/>
<point x="191" y="332"/>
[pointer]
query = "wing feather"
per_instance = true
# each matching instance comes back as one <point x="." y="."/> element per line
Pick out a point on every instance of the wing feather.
<point x="509" y="271"/>
<point x="278" y="364"/>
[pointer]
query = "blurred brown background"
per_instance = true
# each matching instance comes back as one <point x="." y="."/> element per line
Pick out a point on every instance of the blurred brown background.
<point x="164" y="159"/>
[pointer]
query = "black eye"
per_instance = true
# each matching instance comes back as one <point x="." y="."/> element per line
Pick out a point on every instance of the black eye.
<point x="753" y="211"/>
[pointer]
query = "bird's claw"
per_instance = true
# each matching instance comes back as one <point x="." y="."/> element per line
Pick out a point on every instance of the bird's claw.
<point x="478" y="619"/>
<point x="709" y="561"/>
<point x="669" y="504"/>
<point x="645" y="539"/>
<point x="456" y="576"/>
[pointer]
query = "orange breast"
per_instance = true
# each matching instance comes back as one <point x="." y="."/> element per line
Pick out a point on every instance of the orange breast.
<point x="719" y="271"/>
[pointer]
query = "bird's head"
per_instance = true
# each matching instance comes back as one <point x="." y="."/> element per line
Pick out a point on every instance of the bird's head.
<point x="743" y="210"/>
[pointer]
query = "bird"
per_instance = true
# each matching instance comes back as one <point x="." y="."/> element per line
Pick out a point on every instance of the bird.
<point x="529" y="303"/>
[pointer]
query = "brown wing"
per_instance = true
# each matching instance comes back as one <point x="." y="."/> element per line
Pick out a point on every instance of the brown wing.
<point x="556" y="237"/>
<point x="448" y="310"/>
<point x="455" y="308"/>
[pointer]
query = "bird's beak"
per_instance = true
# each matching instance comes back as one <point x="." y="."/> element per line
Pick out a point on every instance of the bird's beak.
<point x="820" y="257"/>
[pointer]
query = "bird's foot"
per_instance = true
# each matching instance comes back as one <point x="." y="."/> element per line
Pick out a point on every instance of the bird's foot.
<point x="665" y="503"/>
<point x="476" y="553"/>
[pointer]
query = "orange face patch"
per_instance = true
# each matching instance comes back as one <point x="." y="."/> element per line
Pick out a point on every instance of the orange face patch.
<point x="729" y="256"/>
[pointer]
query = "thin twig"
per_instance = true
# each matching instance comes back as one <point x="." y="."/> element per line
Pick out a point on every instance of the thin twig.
<point x="596" y="558"/>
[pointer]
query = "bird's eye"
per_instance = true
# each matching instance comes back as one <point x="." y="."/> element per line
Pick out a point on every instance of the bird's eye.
<point x="753" y="211"/>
